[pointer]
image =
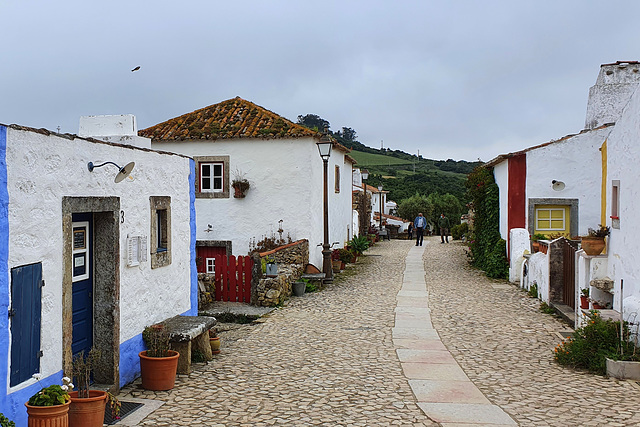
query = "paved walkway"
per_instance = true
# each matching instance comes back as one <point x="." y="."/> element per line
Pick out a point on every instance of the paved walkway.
<point x="361" y="353"/>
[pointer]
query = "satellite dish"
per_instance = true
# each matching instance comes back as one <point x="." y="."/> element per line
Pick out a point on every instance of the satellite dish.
<point x="124" y="172"/>
<point x="557" y="185"/>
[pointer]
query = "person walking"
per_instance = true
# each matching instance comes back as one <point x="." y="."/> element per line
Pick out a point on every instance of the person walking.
<point x="443" y="223"/>
<point x="420" y="223"/>
<point x="410" y="231"/>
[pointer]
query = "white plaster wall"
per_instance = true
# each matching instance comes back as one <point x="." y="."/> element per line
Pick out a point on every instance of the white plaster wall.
<point x="575" y="161"/>
<point x="41" y="170"/>
<point x="286" y="178"/>
<point x="623" y="153"/>
<point x="520" y="245"/>
<point x="607" y="98"/>
<point x="119" y="128"/>
<point x="501" y="176"/>
<point x="539" y="273"/>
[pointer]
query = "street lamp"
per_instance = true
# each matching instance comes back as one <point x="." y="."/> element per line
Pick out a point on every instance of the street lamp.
<point x="363" y="208"/>
<point x="380" y="197"/>
<point x="324" y="147"/>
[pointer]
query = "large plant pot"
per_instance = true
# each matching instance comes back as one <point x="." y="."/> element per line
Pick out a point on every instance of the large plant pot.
<point x="87" y="412"/>
<point x="158" y="373"/>
<point x="593" y="245"/>
<point x="299" y="288"/>
<point x="48" y="416"/>
<point x="623" y="369"/>
<point x="215" y="345"/>
<point x="336" y="265"/>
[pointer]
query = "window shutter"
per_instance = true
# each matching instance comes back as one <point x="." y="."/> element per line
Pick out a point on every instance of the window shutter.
<point x="26" y="306"/>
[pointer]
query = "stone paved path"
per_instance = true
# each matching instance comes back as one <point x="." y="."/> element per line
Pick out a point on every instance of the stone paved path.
<point x="328" y="358"/>
<point x="505" y="345"/>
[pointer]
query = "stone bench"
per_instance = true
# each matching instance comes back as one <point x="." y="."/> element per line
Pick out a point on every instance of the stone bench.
<point x="384" y="234"/>
<point x="188" y="333"/>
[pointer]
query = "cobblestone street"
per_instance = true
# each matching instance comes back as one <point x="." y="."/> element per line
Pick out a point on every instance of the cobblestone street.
<point x="328" y="359"/>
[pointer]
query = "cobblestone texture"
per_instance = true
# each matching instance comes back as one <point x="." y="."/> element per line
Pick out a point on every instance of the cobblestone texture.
<point x="505" y="345"/>
<point x="325" y="359"/>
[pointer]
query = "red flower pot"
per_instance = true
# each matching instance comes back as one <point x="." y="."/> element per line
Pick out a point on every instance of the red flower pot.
<point x="584" y="301"/>
<point x="48" y="416"/>
<point x="89" y="411"/>
<point x="158" y="373"/>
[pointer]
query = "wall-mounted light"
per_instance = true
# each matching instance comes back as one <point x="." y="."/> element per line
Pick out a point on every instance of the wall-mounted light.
<point x="557" y="185"/>
<point x="123" y="172"/>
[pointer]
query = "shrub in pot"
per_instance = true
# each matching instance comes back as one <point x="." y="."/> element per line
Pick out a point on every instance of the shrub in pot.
<point x="158" y="364"/>
<point x="49" y="407"/>
<point x="87" y="406"/>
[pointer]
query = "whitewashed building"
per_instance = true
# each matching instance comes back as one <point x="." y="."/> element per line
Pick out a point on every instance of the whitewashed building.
<point x="87" y="261"/>
<point x="239" y="139"/>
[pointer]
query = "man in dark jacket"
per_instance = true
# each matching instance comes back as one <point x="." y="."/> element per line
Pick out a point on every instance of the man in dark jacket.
<point x="443" y="223"/>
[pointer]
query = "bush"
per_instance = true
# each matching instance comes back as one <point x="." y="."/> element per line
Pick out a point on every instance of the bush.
<point x="457" y="231"/>
<point x="5" y="422"/>
<point x="496" y="264"/>
<point x="590" y="346"/>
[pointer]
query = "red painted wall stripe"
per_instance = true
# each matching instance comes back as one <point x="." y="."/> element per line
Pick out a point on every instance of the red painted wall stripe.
<point x="516" y="198"/>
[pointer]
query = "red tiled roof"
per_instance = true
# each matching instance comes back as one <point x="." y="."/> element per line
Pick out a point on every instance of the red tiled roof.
<point x="233" y="118"/>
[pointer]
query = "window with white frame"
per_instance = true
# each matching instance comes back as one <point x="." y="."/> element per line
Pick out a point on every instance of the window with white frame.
<point x="211" y="265"/>
<point x="211" y="177"/>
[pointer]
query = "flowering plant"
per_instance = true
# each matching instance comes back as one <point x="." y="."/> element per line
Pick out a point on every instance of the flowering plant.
<point x="52" y="395"/>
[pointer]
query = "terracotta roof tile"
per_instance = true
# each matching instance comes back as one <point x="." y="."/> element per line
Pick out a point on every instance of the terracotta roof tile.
<point x="233" y="118"/>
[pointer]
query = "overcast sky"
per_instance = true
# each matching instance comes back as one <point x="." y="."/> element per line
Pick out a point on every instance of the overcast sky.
<point x="450" y="78"/>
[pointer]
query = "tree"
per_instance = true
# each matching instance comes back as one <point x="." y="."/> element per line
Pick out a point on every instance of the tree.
<point x="409" y="208"/>
<point x="313" y="121"/>
<point x="348" y="134"/>
<point x="446" y="204"/>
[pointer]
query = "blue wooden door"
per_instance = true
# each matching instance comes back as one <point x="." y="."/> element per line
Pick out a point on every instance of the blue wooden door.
<point x="26" y="305"/>
<point x="82" y="297"/>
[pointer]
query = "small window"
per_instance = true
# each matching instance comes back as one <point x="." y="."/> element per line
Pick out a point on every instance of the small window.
<point x="160" y="231"/>
<point x="211" y="177"/>
<point x="549" y="219"/>
<point x="211" y="265"/>
<point x="337" y="179"/>
<point x="615" y="203"/>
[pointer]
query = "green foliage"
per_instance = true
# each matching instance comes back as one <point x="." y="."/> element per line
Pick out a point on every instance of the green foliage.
<point x="533" y="290"/>
<point x="358" y="244"/>
<point x="457" y="231"/>
<point x="546" y="308"/>
<point x="538" y="236"/>
<point x="197" y="356"/>
<point x="345" y="255"/>
<point x="590" y="345"/>
<point x="156" y="338"/>
<point x="486" y="243"/>
<point x="50" y="396"/>
<point x="313" y="121"/>
<point x="447" y="204"/>
<point x="309" y="286"/>
<point x="409" y="208"/>
<point x="5" y="422"/>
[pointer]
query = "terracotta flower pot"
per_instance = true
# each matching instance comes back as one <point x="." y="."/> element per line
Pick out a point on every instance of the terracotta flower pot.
<point x="592" y="245"/>
<point x="158" y="373"/>
<point x="48" y="416"/>
<point x="87" y="412"/>
<point x="584" y="301"/>
<point x="215" y="345"/>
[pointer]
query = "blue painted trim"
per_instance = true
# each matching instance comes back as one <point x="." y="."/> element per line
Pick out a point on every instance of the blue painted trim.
<point x="4" y="276"/>
<point x="129" y="360"/>
<point x="12" y="406"/>
<point x="194" y="271"/>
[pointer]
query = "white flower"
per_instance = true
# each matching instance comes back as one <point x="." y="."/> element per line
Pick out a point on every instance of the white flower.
<point x="66" y="380"/>
<point x="64" y="387"/>
<point x="36" y="376"/>
<point x="71" y="386"/>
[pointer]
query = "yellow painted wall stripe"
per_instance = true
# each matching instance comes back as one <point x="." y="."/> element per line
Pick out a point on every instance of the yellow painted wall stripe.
<point x="603" y="191"/>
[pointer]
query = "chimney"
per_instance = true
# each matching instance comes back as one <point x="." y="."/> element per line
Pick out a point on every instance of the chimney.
<point x="121" y="129"/>
<point x="613" y="89"/>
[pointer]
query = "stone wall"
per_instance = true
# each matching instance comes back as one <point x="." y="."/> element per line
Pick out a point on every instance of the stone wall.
<point x="291" y="260"/>
<point x="362" y="204"/>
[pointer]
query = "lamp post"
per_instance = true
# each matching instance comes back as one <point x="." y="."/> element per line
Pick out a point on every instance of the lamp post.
<point x="363" y="203"/>
<point x="380" y="197"/>
<point x="324" y="147"/>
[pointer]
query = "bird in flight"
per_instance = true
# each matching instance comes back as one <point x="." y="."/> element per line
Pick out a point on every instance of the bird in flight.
<point x="135" y="69"/>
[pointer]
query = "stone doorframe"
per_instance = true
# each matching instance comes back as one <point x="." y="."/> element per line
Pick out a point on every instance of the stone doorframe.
<point x="106" y="297"/>
<point x="573" y="212"/>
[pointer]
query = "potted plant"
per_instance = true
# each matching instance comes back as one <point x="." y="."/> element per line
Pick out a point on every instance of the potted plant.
<point x="214" y="341"/>
<point x="49" y="407"/>
<point x="158" y="364"/>
<point x="594" y="243"/>
<point x="87" y="406"/>
<point x="535" y="244"/>
<point x="346" y="256"/>
<point x="584" y="298"/>
<point x="240" y="184"/>
<point x="6" y="422"/>
<point x="358" y="245"/>
<point x="335" y="260"/>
